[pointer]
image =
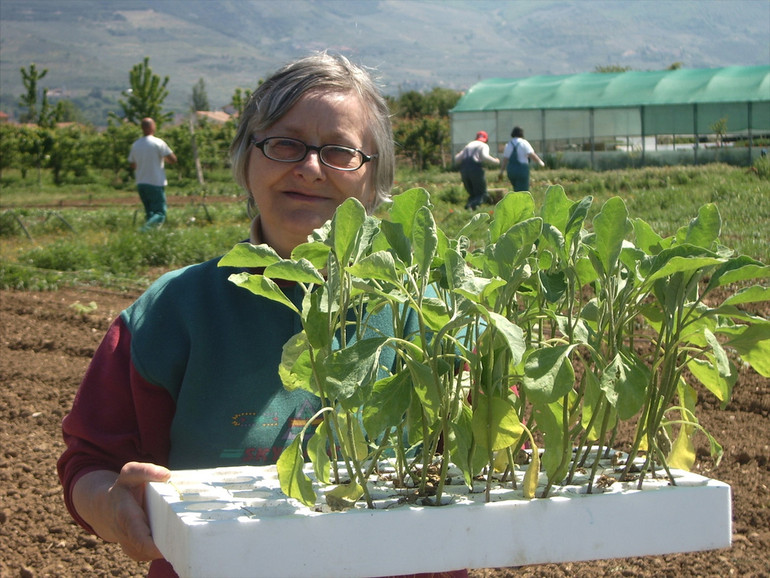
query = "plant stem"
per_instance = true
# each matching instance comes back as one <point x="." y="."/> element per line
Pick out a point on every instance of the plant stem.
<point x="595" y="465"/>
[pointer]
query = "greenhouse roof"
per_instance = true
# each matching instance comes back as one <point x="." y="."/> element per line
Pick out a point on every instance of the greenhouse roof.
<point x="620" y="89"/>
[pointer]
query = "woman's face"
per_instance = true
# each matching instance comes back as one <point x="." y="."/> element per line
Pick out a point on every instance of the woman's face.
<point x="295" y="198"/>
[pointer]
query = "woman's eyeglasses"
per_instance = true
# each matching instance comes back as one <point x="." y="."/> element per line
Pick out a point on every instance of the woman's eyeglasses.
<point x="291" y="150"/>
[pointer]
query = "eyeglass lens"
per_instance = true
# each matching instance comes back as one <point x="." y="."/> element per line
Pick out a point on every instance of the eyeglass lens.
<point x="291" y="150"/>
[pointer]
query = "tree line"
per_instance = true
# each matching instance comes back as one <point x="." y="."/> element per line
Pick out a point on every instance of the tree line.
<point x="47" y="137"/>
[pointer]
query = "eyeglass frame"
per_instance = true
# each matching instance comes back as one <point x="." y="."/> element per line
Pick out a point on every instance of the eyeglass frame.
<point x="365" y="158"/>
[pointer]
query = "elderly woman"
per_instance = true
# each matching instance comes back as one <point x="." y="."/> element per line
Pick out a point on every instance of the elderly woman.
<point x="187" y="376"/>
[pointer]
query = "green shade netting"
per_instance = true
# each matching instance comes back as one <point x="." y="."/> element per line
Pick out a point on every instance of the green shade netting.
<point x="620" y="89"/>
<point x="607" y="105"/>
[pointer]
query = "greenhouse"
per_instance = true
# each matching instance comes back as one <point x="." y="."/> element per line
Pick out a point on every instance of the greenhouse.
<point x="613" y="120"/>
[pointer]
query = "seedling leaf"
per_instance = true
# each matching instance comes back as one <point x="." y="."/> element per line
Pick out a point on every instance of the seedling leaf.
<point x="291" y="475"/>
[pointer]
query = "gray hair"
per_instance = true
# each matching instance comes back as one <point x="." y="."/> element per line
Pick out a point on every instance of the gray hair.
<point x="324" y="73"/>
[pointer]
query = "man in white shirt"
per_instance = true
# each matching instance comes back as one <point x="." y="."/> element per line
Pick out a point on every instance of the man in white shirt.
<point x="148" y="157"/>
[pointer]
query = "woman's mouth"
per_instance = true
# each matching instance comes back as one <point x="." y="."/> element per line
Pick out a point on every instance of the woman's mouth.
<point x="305" y="196"/>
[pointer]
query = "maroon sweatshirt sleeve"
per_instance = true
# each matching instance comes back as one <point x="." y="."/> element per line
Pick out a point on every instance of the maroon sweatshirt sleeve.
<point x="117" y="417"/>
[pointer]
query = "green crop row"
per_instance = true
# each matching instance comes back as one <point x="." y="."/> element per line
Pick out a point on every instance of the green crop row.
<point x="56" y="235"/>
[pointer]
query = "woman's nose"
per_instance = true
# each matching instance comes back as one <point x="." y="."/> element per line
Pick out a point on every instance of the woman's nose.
<point x="311" y="166"/>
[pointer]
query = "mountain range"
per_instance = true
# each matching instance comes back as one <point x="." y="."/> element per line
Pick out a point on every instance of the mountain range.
<point x="89" y="46"/>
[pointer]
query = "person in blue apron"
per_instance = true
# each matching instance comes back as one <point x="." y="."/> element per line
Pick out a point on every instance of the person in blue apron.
<point x="516" y="156"/>
<point x="471" y="160"/>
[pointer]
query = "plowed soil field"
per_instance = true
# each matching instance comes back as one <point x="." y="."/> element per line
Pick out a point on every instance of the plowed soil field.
<point x="46" y="344"/>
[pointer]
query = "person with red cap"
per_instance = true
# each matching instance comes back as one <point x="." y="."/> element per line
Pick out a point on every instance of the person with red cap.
<point x="471" y="160"/>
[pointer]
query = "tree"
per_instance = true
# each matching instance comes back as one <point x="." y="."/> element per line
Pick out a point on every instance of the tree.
<point x="30" y="78"/>
<point x="240" y="98"/>
<point x="71" y="150"/>
<point x="424" y="140"/>
<point x="68" y="111"/>
<point x="45" y="116"/>
<point x="116" y="141"/>
<point x="200" y="100"/>
<point x="441" y="100"/>
<point x="421" y="125"/>
<point x="10" y="150"/>
<point x="146" y="95"/>
<point x="48" y="117"/>
<point x="412" y="104"/>
<point x="720" y="130"/>
<point x="612" y="68"/>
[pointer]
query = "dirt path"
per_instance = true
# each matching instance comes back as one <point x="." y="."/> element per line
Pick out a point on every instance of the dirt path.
<point x="46" y="344"/>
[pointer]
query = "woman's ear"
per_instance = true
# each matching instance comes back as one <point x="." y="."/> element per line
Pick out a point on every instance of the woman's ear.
<point x="251" y="206"/>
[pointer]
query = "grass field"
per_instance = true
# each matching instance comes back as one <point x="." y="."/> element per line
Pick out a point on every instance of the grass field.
<point x="88" y="232"/>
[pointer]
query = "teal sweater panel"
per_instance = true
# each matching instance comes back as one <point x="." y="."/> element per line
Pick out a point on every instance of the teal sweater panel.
<point x="216" y="348"/>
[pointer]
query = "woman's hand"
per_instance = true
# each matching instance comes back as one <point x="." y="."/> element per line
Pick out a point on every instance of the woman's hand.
<point x="113" y="505"/>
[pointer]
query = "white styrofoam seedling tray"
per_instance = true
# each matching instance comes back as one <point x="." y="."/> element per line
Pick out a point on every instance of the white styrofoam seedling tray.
<point x="236" y="522"/>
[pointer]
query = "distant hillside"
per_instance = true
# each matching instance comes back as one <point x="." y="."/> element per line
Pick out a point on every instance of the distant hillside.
<point x="89" y="46"/>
